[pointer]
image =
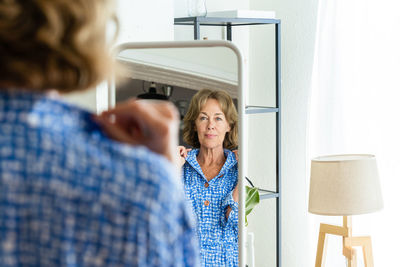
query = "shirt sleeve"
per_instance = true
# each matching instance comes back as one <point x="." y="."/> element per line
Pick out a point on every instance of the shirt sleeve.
<point x="233" y="220"/>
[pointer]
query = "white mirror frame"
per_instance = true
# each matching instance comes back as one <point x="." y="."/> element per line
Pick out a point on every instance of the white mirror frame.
<point x="241" y="112"/>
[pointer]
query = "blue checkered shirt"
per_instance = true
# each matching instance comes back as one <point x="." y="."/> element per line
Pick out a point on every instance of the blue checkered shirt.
<point x="69" y="196"/>
<point x="218" y="236"/>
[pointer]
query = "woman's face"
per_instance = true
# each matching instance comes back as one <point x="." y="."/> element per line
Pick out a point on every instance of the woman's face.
<point x="211" y="125"/>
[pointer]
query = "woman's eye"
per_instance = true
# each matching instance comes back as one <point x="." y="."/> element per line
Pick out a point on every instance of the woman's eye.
<point x="203" y="118"/>
<point x="219" y="119"/>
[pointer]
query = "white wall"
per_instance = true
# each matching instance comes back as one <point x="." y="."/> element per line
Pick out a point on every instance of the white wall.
<point x="298" y="34"/>
<point x="150" y="20"/>
<point x="180" y="6"/>
<point x="240" y="35"/>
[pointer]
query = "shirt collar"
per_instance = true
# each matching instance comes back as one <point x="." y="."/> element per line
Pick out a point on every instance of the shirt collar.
<point x="230" y="161"/>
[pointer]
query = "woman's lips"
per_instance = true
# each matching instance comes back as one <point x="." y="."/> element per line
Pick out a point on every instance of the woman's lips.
<point x="210" y="135"/>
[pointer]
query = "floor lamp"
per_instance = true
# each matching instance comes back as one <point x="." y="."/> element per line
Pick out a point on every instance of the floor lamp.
<point x="344" y="185"/>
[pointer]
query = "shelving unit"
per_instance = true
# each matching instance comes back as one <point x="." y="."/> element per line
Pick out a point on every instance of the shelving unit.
<point x="197" y="22"/>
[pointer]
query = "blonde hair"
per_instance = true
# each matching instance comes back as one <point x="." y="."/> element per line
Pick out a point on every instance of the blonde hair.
<point x="55" y="44"/>
<point x="227" y="107"/>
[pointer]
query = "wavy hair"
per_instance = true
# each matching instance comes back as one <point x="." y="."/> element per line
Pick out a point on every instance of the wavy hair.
<point x="227" y="107"/>
<point x="55" y="44"/>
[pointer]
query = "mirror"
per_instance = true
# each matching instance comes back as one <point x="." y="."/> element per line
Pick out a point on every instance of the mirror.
<point x="177" y="74"/>
<point x="177" y="71"/>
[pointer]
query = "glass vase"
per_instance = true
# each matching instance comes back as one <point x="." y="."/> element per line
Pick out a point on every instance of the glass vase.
<point x="197" y="8"/>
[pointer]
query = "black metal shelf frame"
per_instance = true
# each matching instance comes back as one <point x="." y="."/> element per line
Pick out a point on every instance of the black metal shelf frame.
<point x="227" y="22"/>
<point x="196" y="22"/>
<point x="267" y="194"/>
<point x="260" y="109"/>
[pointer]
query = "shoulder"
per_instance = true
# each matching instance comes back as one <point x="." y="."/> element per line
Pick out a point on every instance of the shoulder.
<point x="141" y="160"/>
<point x="230" y="158"/>
<point x="68" y="137"/>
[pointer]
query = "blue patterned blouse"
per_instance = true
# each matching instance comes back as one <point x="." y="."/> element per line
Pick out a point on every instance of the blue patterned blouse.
<point x="218" y="235"/>
<point x="69" y="196"/>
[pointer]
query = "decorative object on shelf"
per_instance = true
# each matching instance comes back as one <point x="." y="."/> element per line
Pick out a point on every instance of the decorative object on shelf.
<point x="167" y="90"/>
<point x="197" y="8"/>
<point x="344" y="185"/>
<point x="243" y="13"/>
<point x="152" y="93"/>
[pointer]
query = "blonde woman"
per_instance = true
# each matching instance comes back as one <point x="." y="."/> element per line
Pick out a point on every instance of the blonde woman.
<point x="210" y="174"/>
<point x="69" y="195"/>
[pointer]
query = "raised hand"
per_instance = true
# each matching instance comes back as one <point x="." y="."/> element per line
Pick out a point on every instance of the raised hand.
<point x="153" y="124"/>
<point x="182" y="154"/>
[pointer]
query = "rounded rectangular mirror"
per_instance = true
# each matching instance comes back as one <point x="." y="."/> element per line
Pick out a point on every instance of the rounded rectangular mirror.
<point x="180" y="72"/>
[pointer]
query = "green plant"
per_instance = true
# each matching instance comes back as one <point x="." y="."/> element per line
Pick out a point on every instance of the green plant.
<point x="252" y="199"/>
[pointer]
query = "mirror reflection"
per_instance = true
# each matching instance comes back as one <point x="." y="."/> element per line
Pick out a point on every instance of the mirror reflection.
<point x="202" y="83"/>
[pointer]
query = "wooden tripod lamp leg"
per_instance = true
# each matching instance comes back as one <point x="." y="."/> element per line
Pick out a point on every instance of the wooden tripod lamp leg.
<point x="351" y="256"/>
<point x="320" y="259"/>
<point x="349" y="242"/>
<point x="353" y="260"/>
<point x="367" y="250"/>
<point x="366" y="244"/>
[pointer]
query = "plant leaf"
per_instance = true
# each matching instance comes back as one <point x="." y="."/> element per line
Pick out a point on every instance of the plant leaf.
<point x="252" y="199"/>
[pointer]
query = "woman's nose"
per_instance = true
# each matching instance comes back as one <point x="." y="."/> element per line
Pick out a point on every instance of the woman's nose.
<point x="210" y="125"/>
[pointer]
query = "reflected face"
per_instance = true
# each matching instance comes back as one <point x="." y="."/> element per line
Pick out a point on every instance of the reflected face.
<point x="211" y="125"/>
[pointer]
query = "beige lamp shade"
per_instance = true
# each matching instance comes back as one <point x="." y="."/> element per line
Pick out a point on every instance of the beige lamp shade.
<point x="344" y="185"/>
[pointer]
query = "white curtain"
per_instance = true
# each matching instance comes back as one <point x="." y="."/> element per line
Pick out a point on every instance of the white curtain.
<point x="355" y="108"/>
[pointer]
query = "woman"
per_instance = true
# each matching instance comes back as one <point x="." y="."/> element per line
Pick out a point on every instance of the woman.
<point x="210" y="173"/>
<point x="69" y="195"/>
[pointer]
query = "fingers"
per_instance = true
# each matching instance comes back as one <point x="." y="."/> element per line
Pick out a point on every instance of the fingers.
<point x="181" y="155"/>
<point x="183" y="151"/>
<point x="153" y="113"/>
<point x="115" y="132"/>
<point x="145" y="119"/>
<point x="150" y="123"/>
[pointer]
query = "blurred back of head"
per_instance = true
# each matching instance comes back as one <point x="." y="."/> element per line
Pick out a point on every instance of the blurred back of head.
<point x="55" y="44"/>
